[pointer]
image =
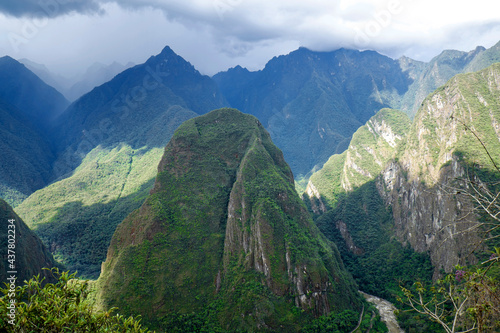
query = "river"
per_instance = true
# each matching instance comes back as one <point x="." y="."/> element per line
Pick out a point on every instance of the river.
<point x="386" y="310"/>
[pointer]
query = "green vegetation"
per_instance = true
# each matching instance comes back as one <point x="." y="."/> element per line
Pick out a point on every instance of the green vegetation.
<point x="346" y="321"/>
<point x="22" y="250"/>
<point x="224" y="240"/>
<point x="62" y="306"/>
<point x="378" y="262"/>
<point x="86" y="208"/>
<point x="107" y="156"/>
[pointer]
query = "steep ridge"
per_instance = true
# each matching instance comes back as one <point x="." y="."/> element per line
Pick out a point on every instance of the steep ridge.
<point x="312" y="102"/>
<point x="223" y="229"/>
<point x="436" y="73"/>
<point x="29" y="253"/>
<point x="25" y="156"/>
<point x="28" y="107"/>
<point x="371" y="148"/>
<point x="421" y="181"/>
<point x="350" y="211"/>
<point x="109" y="143"/>
<point x="39" y="102"/>
<point x="430" y="213"/>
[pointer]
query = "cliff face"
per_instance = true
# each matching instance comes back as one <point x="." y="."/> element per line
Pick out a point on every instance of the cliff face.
<point x="423" y="178"/>
<point x="430" y="208"/>
<point x="224" y="227"/>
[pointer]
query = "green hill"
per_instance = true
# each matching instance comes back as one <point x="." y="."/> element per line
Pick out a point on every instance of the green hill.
<point x="28" y="108"/>
<point x="224" y="237"/>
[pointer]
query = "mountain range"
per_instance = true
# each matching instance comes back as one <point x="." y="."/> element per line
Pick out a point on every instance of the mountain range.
<point x="377" y="146"/>
<point x="78" y="85"/>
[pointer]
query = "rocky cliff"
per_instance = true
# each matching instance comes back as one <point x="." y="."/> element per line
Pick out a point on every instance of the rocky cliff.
<point x="425" y="187"/>
<point x="424" y="179"/>
<point x="224" y="229"/>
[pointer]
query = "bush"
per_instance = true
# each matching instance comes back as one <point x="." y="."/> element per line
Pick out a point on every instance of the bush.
<point x="63" y="306"/>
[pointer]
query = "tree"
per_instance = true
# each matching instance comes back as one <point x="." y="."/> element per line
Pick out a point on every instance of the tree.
<point x="468" y="300"/>
<point x="64" y="306"/>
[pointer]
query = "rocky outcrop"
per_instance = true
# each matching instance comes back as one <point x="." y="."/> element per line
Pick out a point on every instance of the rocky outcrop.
<point x="436" y="220"/>
<point x="424" y="177"/>
<point x="427" y="186"/>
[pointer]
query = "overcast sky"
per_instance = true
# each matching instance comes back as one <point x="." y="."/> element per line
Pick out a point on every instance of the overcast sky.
<point x="214" y="35"/>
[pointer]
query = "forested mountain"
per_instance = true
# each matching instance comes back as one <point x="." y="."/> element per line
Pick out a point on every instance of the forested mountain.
<point x="221" y="225"/>
<point x="224" y="236"/>
<point x="76" y="86"/>
<point x="108" y="144"/>
<point x="17" y="82"/>
<point x="411" y="183"/>
<point x="312" y="102"/>
<point x="28" y="107"/>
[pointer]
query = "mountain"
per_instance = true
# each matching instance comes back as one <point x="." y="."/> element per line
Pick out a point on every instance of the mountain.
<point x="17" y="83"/>
<point x="312" y="102"/>
<point x="372" y="146"/>
<point x="25" y="156"/>
<point x="438" y="71"/>
<point x="28" y="107"/>
<point x="95" y="75"/>
<point x="28" y="256"/>
<point x="108" y="144"/>
<point x="417" y="194"/>
<point x="59" y="82"/>
<point x="223" y="229"/>
<point x="74" y="87"/>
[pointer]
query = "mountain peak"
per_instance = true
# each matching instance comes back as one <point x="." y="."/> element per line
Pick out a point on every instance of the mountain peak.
<point x="224" y="197"/>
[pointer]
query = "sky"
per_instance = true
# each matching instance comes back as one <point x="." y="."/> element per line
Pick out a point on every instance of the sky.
<point x="70" y="35"/>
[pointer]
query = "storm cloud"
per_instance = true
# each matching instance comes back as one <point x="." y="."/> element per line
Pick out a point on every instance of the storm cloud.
<point x="217" y="34"/>
<point x="48" y="8"/>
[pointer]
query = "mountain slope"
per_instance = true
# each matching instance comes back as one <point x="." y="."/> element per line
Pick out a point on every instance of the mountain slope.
<point x="29" y="253"/>
<point x="429" y="76"/>
<point x="25" y="156"/>
<point x="224" y="229"/>
<point x="312" y="102"/>
<point x="27" y="109"/>
<point x="371" y="148"/>
<point x="423" y="181"/>
<point x="39" y="102"/>
<point x="108" y="145"/>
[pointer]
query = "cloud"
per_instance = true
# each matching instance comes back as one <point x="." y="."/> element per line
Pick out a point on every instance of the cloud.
<point x="48" y="8"/>
<point x="217" y="34"/>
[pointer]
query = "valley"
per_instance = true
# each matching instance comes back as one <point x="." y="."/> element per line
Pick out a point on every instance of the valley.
<point x="260" y="201"/>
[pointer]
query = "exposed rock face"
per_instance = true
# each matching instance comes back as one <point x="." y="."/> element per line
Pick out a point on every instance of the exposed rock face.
<point x="432" y="219"/>
<point x="422" y="178"/>
<point x="371" y="148"/>
<point x="224" y="224"/>
<point x="430" y="212"/>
